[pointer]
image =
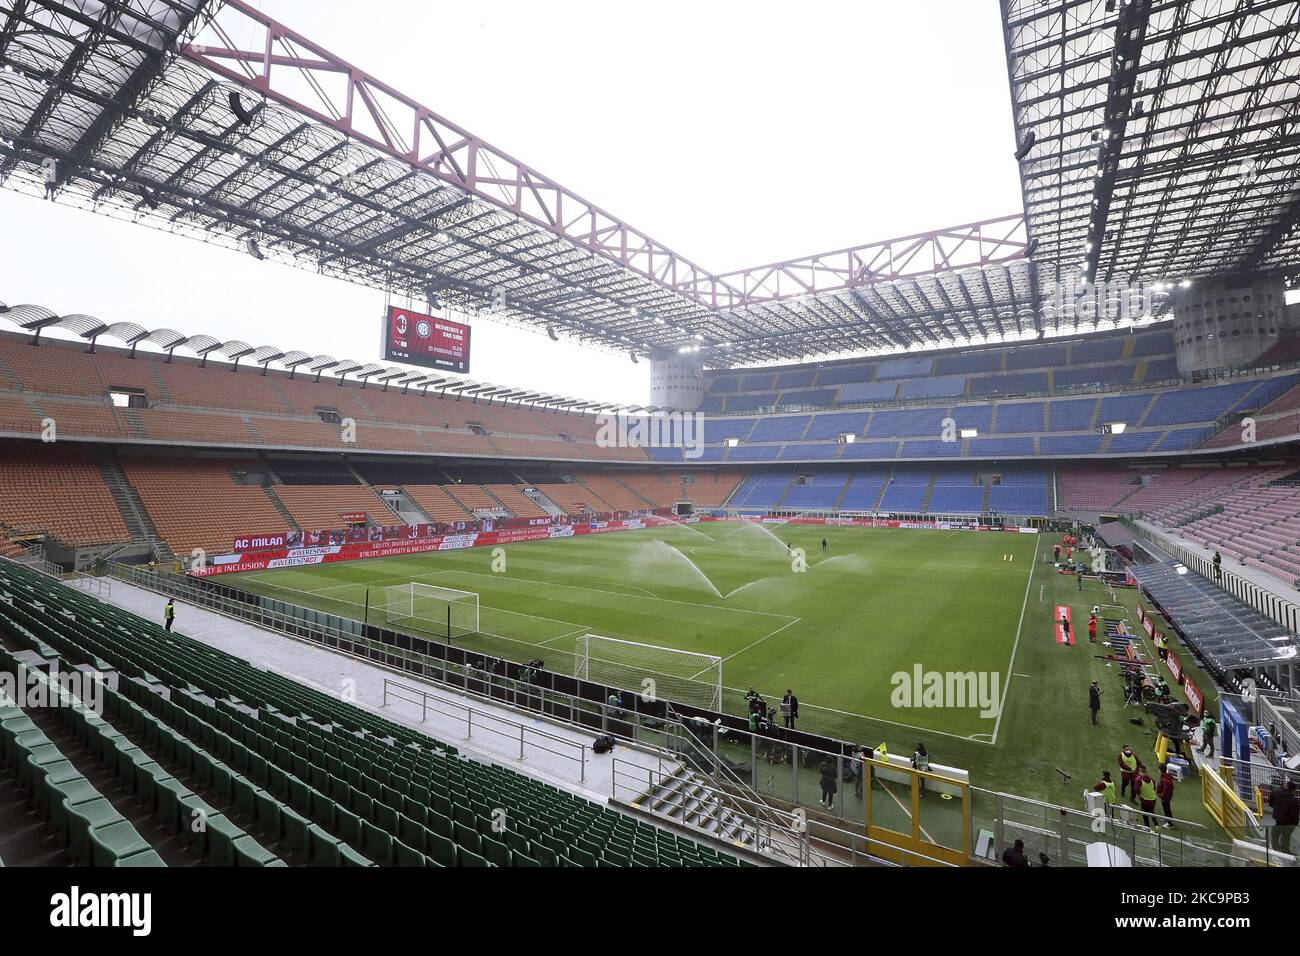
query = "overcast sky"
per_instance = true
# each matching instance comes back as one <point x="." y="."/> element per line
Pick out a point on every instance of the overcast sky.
<point x="736" y="133"/>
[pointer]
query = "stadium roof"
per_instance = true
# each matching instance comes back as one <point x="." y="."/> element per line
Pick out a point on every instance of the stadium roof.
<point x="1162" y="137"/>
<point x="153" y="110"/>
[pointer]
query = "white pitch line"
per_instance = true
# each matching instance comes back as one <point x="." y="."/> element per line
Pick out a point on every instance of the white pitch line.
<point x="761" y="639"/>
<point x="1006" y="691"/>
<point x="499" y="610"/>
<point x="576" y="587"/>
<point x="581" y="630"/>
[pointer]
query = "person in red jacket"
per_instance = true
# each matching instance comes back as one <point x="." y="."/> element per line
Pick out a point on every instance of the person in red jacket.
<point x="1092" y="628"/>
<point x="1165" y="791"/>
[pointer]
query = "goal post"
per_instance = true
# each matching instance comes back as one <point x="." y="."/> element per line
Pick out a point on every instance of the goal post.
<point x="443" y="612"/>
<point x="682" y="676"/>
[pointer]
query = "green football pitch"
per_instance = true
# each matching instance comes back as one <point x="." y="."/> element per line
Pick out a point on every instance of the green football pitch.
<point x="846" y="633"/>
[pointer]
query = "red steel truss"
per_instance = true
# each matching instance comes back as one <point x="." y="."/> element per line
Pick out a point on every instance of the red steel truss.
<point x="283" y="65"/>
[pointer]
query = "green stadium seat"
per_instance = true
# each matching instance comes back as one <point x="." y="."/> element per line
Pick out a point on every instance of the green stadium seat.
<point x="113" y="842"/>
<point x="147" y="858"/>
<point x="404" y="855"/>
<point x="441" y="849"/>
<point x="376" y="843"/>
<point x="323" y="848"/>
<point x="496" y="852"/>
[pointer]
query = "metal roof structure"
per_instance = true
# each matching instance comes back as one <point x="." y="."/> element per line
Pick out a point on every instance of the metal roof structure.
<point x="1161" y="138"/>
<point x="213" y="120"/>
<point x="1226" y="631"/>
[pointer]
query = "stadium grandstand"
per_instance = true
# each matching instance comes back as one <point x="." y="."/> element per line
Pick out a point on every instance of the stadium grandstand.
<point x="1001" y="463"/>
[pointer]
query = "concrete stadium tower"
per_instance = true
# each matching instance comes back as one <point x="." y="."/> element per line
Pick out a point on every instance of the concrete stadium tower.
<point x="1221" y="323"/>
<point x="676" y="379"/>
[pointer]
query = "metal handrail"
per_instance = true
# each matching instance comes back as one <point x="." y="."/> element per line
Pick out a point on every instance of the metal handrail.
<point x="428" y="702"/>
<point x="781" y="836"/>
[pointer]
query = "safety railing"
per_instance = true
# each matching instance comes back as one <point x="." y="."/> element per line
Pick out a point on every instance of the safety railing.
<point x="1114" y="836"/>
<point x="781" y="836"/>
<point x="101" y="587"/>
<point x="485" y="721"/>
<point x="748" y="768"/>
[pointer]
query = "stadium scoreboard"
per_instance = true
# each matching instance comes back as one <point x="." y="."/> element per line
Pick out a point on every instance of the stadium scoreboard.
<point x="418" y="339"/>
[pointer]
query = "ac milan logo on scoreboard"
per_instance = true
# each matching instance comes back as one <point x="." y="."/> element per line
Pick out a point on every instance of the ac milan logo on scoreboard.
<point x="436" y="343"/>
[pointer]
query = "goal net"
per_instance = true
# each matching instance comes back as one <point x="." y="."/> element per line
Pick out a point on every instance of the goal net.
<point x="683" y="676"/>
<point x="442" y="612"/>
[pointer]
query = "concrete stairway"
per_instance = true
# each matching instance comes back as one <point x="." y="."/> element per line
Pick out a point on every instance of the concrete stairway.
<point x="685" y="798"/>
<point x="127" y="499"/>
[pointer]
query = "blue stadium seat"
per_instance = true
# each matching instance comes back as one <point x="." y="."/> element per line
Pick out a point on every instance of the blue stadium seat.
<point x="1071" y="415"/>
<point x="870" y="450"/>
<point x="956" y="500"/>
<point x="989" y="360"/>
<point x="1132" y="441"/>
<point x="1001" y="447"/>
<point x="933" y="387"/>
<point x="979" y="417"/>
<point x="809" y="451"/>
<point x="1036" y="356"/>
<point x="931" y="448"/>
<point x="1122" y="408"/>
<point x="1013" y="383"/>
<point x="779" y="428"/>
<point x="1019" y="417"/>
<point x="796" y="378"/>
<point x="1107" y="349"/>
<point x="854" y="392"/>
<point x="821" y="494"/>
<point x="1161" y="370"/>
<point x="1153" y="343"/>
<point x="1116" y="374"/>
<point x="1019" y="499"/>
<point x="755" y="453"/>
<point x="1178" y="439"/>
<point x="909" y="421"/>
<point x="757" y="381"/>
<point x="832" y="424"/>
<point x="1186" y="405"/>
<point x="843" y="374"/>
<point x="720" y="429"/>
<point x="762" y="490"/>
<point x="909" y="367"/>
<point x="1070" y="444"/>
<point x="903" y="497"/>
<point x="820" y="397"/>
<point x="863" y="490"/>
<point x="750" y="403"/>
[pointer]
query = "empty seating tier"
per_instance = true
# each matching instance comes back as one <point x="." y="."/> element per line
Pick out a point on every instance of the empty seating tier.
<point x="327" y="783"/>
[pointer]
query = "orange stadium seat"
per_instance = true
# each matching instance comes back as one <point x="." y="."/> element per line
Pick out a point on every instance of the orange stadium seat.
<point x="58" y="491"/>
<point x="195" y="503"/>
<point x="320" y="507"/>
<point x="520" y="504"/>
<point x="434" y="501"/>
